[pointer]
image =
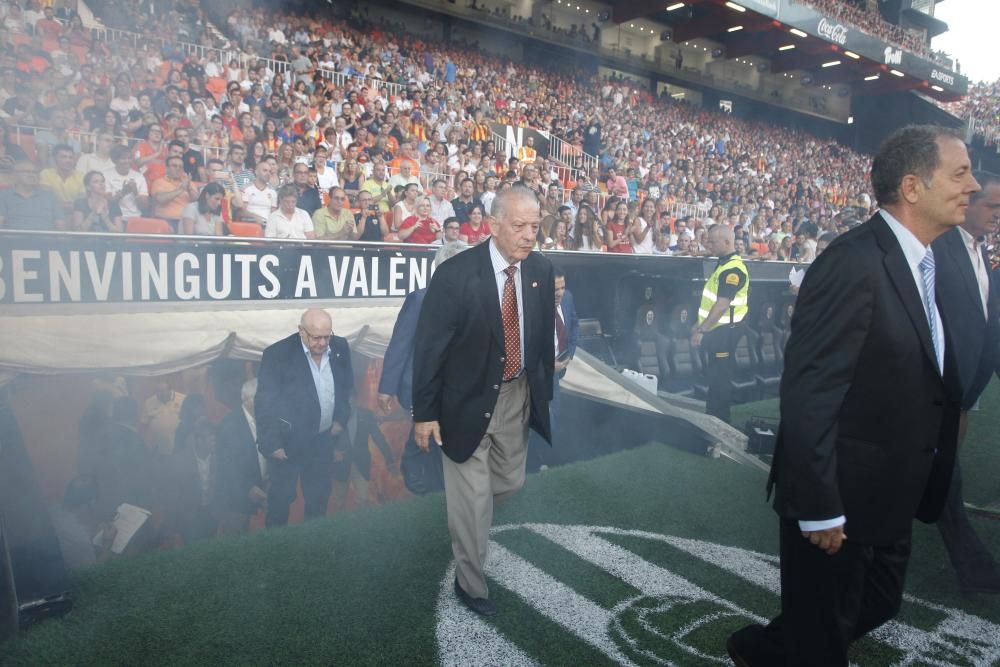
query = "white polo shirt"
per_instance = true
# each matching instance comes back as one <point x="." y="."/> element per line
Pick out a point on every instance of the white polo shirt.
<point x="280" y="227"/>
<point x="260" y="202"/>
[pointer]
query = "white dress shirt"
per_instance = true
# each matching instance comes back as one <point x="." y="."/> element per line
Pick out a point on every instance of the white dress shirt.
<point x="978" y="266"/>
<point x="913" y="251"/>
<point x="499" y="264"/>
<point x="325" y="390"/>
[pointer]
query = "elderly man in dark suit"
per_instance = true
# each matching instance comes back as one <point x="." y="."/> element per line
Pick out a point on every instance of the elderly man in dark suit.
<point x="302" y="405"/>
<point x="482" y="374"/>
<point x="968" y="297"/>
<point x="240" y="490"/>
<point x="870" y="403"/>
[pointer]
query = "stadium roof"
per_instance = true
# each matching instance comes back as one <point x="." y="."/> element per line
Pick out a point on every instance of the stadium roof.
<point x="783" y="37"/>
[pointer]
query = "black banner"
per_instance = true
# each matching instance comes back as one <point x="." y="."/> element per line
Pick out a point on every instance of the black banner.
<point x="50" y="269"/>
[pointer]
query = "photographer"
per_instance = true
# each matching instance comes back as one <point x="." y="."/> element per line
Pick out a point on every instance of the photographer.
<point x="370" y="222"/>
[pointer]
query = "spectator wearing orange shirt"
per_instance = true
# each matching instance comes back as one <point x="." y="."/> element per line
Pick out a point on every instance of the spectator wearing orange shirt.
<point x="172" y="192"/>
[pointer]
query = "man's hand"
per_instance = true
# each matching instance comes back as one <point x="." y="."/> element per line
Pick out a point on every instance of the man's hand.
<point x="257" y="495"/>
<point x="280" y="454"/>
<point x="338" y="455"/>
<point x="560" y="365"/>
<point x="336" y="429"/>
<point x="385" y="403"/>
<point x="696" y="339"/>
<point x="108" y="534"/>
<point x="423" y="431"/>
<point x="829" y="540"/>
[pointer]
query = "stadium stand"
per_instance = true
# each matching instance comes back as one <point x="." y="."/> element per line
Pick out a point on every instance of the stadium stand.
<point x="281" y="85"/>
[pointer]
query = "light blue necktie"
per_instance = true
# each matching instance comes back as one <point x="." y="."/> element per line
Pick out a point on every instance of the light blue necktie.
<point x="927" y="272"/>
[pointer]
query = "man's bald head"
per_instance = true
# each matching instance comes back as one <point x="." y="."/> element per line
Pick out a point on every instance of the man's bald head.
<point x="720" y="240"/>
<point x="315" y="329"/>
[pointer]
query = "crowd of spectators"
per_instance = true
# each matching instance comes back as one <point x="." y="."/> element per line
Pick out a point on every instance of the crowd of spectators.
<point x="866" y="17"/>
<point x="356" y="120"/>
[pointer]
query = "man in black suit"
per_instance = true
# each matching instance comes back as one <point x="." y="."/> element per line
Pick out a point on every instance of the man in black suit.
<point x="482" y="374"/>
<point x="302" y="405"/>
<point x="421" y="469"/>
<point x="240" y="473"/>
<point x="967" y="297"/>
<point x="869" y="410"/>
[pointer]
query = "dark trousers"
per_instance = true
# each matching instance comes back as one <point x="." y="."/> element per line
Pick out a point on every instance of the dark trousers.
<point x="719" y="345"/>
<point x="969" y="556"/>
<point x="829" y="601"/>
<point x="311" y="465"/>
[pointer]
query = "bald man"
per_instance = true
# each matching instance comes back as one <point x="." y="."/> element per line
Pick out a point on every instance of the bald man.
<point x="302" y="405"/>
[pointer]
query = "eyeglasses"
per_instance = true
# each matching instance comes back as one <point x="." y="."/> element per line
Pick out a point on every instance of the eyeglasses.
<point x="318" y="339"/>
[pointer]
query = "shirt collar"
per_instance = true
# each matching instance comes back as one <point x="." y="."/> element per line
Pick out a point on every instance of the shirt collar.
<point x="308" y="354"/>
<point x="913" y="249"/>
<point x="499" y="263"/>
<point x="725" y="258"/>
<point x="968" y="239"/>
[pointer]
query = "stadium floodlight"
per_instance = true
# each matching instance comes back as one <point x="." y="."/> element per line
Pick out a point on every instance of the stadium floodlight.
<point x="937" y="88"/>
<point x="676" y="5"/>
<point x="798" y="33"/>
<point x="735" y="28"/>
<point x="734" y="6"/>
<point x="832" y="63"/>
<point x="852" y="54"/>
<point x="872" y="77"/>
<point x="896" y="72"/>
<point x="786" y="47"/>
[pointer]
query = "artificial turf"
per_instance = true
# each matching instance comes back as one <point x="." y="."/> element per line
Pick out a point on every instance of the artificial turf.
<point x="361" y="588"/>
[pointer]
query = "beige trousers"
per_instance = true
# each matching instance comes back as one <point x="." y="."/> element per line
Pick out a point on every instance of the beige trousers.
<point x="493" y="473"/>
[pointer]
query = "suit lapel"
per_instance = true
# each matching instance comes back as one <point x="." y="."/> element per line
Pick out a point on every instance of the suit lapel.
<point x="488" y="295"/>
<point x="902" y="279"/>
<point x="959" y="253"/>
<point x="529" y="285"/>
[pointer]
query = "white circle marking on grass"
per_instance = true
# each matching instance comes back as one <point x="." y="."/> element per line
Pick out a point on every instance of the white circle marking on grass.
<point x="465" y="639"/>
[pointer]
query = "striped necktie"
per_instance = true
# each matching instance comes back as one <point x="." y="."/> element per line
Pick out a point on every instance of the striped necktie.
<point x="927" y="272"/>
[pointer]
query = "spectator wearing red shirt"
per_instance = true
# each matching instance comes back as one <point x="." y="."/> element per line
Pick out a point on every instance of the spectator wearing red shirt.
<point x="619" y="228"/>
<point x="422" y="227"/>
<point x="617" y="185"/>
<point x="476" y="229"/>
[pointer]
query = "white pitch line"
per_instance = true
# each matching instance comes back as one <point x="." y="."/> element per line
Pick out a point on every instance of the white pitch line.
<point x="464" y="639"/>
<point x="554" y="600"/>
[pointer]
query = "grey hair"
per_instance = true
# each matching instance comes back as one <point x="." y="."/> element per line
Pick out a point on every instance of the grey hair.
<point x="504" y="199"/>
<point x="447" y="251"/>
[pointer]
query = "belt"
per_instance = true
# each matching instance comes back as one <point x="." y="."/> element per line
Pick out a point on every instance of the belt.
<point x="516" y="377"/>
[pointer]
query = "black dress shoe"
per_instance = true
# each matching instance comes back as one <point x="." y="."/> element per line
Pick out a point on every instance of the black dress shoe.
<point x="737" y="644"/>
<point x="482" y="606"/>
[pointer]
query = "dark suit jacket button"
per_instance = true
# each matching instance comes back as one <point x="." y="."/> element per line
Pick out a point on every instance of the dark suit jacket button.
<point x="937" y="404"/>
<point x="487" y="415"/>
<point x="502" y="359"/>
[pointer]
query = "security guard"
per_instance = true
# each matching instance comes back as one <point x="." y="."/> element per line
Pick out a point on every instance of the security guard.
<point x="720" y="315"/>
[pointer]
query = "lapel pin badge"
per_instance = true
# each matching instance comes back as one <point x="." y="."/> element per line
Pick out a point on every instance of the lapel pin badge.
<point x="534" y="284"/>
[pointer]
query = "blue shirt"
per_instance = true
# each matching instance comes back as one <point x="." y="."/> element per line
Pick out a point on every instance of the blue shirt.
<point x="323" y="380"/>
<point x="499" y="265"/>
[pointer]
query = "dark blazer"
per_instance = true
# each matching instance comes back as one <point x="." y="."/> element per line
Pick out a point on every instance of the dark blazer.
<point x="397" y="365"/>
<point x="459" y="348"/>
<point x="572" y="323"/>
<point x="975" y="340"/>
<point x="286" y="405"/>
<point x="238" y="465"/>
<point x="868" y="424"/>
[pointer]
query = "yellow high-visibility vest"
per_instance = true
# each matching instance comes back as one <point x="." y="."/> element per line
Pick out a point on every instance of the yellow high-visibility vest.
<point x="738" y="307"/>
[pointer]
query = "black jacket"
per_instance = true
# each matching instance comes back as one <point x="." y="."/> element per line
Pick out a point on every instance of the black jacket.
<point x="459" y="349"/>
<point x="868" y="424"/>
<point x="286" y="405"/>
<point x="238" y="465"/>
<point x="975" y="339"/>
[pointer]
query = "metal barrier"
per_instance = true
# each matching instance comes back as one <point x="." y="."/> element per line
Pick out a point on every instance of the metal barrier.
<point x="568" y="154"/>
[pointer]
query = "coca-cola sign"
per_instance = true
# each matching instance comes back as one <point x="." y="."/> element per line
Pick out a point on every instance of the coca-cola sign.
<point x="835" y="32"/>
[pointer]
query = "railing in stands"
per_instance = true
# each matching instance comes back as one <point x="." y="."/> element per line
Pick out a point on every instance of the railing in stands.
<point x="566" y="153"/>
<point x="224" y="57"/>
